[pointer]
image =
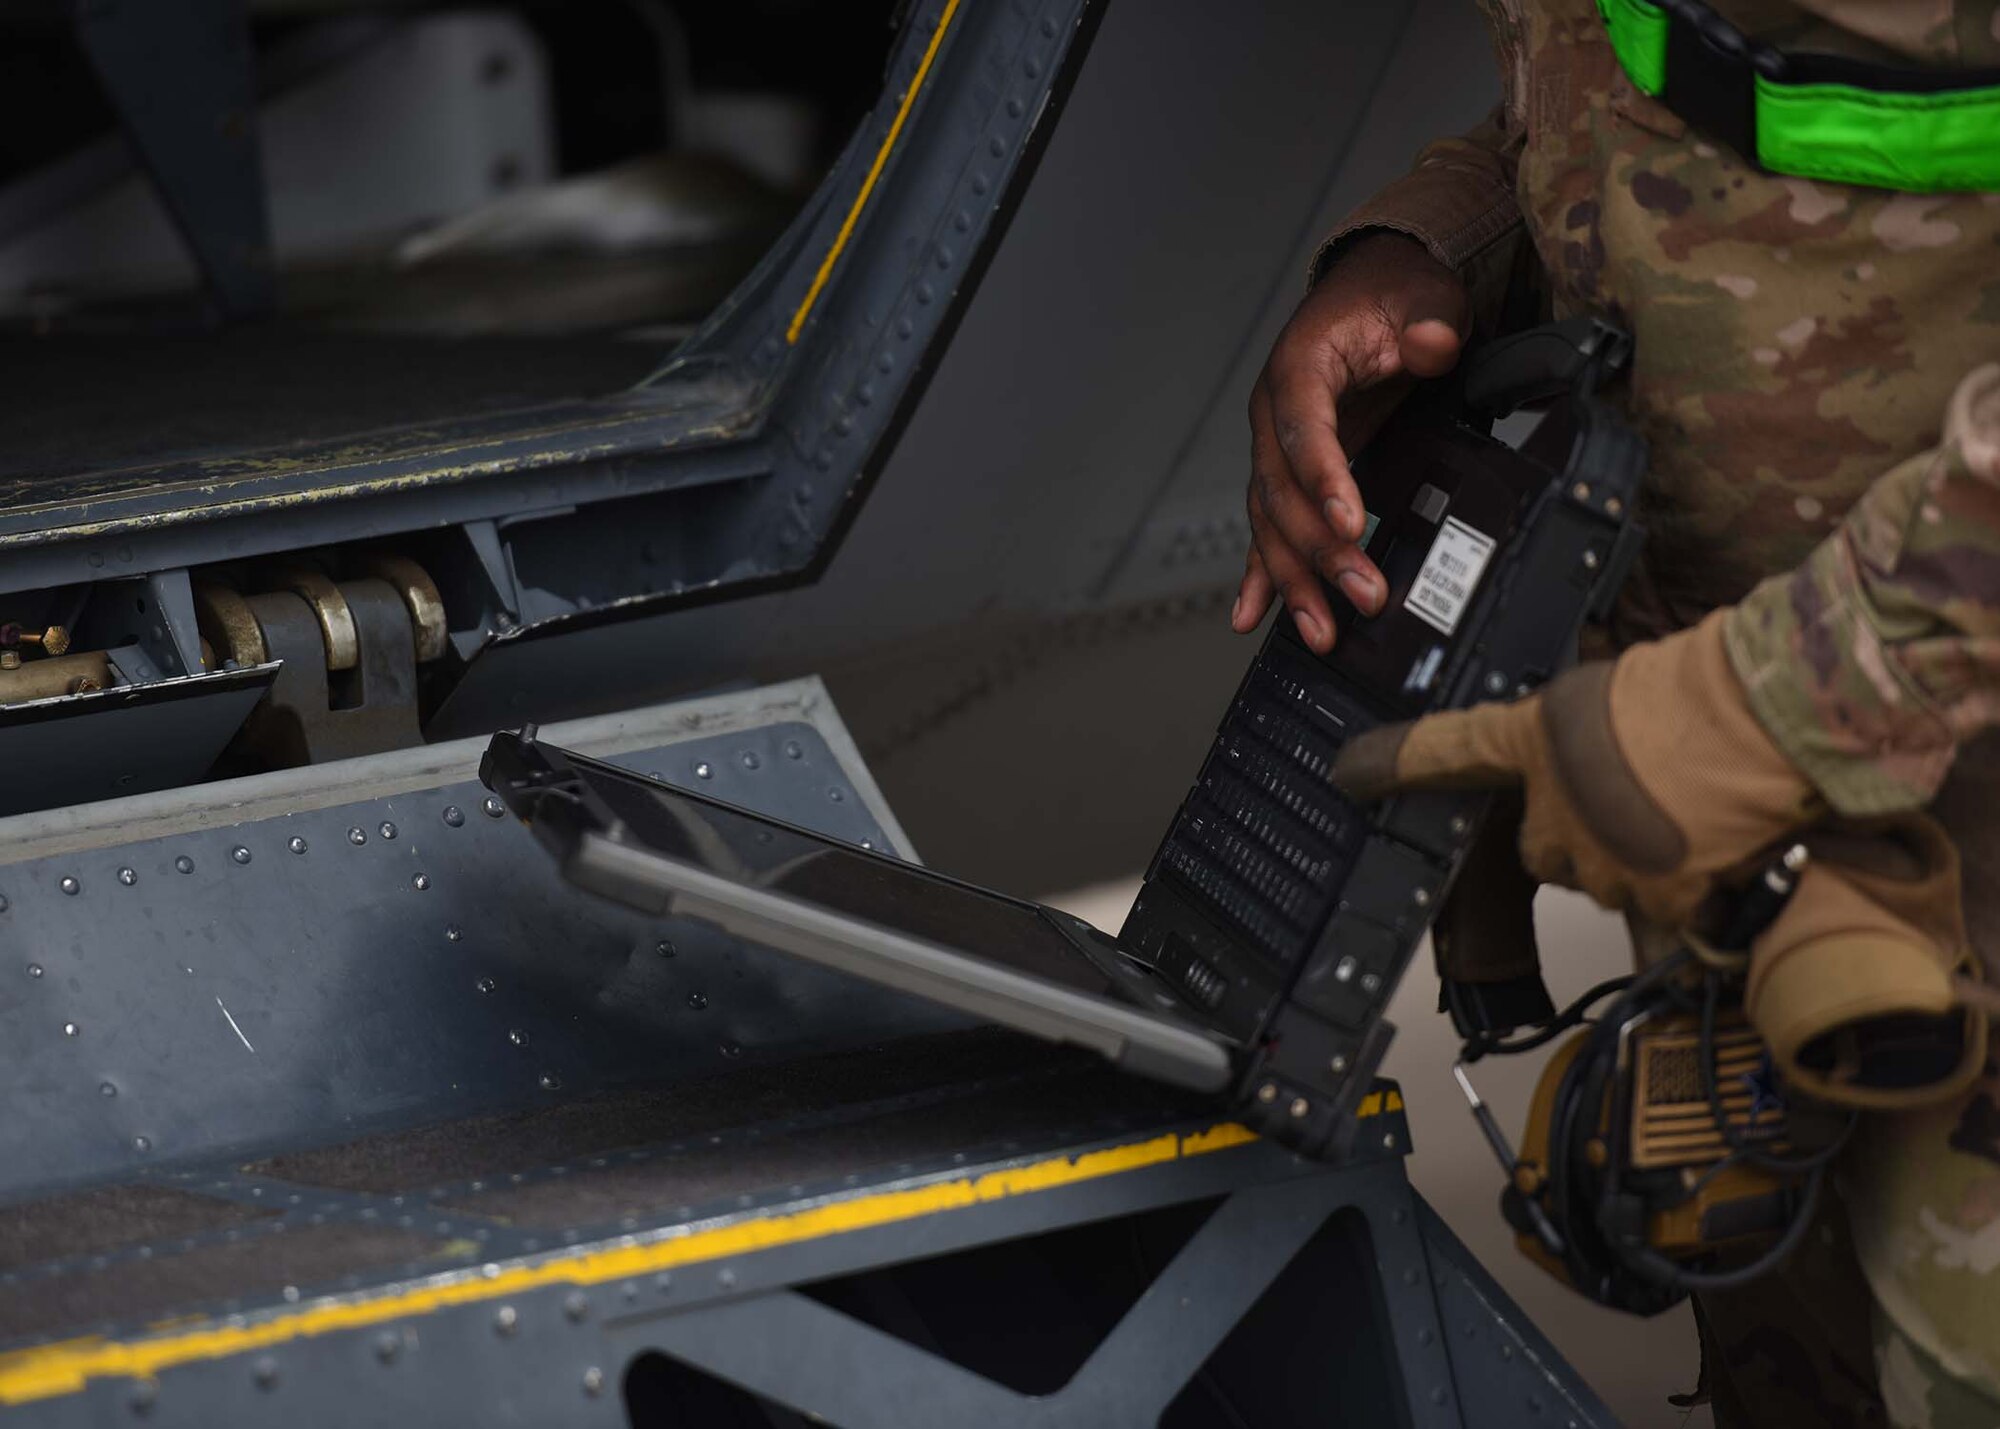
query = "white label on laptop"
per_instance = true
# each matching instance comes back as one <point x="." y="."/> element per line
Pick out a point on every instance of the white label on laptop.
<point x="1443" y="588"/>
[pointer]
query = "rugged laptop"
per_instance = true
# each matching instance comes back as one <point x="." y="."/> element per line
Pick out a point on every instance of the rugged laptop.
<point x="1277" y="917"/>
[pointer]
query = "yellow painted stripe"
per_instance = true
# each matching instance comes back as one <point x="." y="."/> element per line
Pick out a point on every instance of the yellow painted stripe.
<point x="1375" y="1103"/>
<point x="67" y="1366"/>
<point x="874" y="173"/>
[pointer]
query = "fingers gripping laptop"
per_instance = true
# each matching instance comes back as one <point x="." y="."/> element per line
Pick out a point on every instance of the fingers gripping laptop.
<point x="1277" y="917"/>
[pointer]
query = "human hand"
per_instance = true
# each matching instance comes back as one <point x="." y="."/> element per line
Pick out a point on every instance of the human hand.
<point x="1384" y="315"/>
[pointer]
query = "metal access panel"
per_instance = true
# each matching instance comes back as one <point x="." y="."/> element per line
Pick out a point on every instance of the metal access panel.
<point x="368" y="944"/>
<point x="1026" y="1240"/>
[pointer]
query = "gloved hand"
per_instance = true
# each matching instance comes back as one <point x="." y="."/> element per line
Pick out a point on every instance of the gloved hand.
<point x="1856" y="986"/>
<point x="1644" y="778"/>
<point x="1647" y="780"/>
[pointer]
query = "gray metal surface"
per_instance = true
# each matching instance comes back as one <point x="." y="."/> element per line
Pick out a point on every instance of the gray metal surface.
<point x="533" y="1332"/>
<point x="105" y="743"/>
<point x="252" y="963"/>
<point x="1506" y="1372"/>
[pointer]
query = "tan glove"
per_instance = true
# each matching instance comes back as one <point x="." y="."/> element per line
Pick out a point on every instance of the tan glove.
<point x="1645" y="778"/>
<point x="1856" y="984"/>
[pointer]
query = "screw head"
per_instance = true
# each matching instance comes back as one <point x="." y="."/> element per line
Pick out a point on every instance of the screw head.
<point x="240" y="854"/>
<point x="493" y="807"/>
<point x="296" y="844"/>
<point x="1337" y="1063"/>
<point x="1299" y="1107"/>
<point x="593" y="1381"/>
<point x="1268" y="1093"/>
<point x="505" y="1320"/>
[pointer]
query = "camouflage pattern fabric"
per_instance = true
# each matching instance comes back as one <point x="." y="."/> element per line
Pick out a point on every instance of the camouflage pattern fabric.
<point x="1813" y="374"/>
<point x="1880" y="654"/>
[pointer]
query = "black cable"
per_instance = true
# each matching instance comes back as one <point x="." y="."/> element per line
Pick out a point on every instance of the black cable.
<point x="1675" y="1277"/>
<point x="1571" y="1016"/>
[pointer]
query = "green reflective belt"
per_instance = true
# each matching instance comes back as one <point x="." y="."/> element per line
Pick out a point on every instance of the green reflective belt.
<point x="1808" y="115"/>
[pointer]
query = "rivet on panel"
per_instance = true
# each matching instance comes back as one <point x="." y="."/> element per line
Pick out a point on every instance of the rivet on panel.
<point x="453" y="933"/>
<point x="296" y="844"/>
<point x="70" y="1029"/>
<point x="184" y="864"/>
<point x="388" y="830"/>
<point x="493" y="807"/>
<point x="34" y="969"/>
<point x="240" y="854"/>
<point x="128" y="876"/>
<point x="505" y="1320"/>
<point x="664" y="948"/>
<point x="794" y="750"/>
<point x="453" y="815"/>
<point x="485" y="984"/>
<point x="70" y="886"/>
<point x="551" y="1082"/>
<point x="697" y="1000"/>
<point x="421" y="882"/>
<point x="517" y="1036"/>
<point x="593" y="1381"/>
<point x="704" y="770"/>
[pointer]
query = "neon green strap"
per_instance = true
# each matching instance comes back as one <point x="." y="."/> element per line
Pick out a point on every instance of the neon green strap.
<point x="1919" y="141"/>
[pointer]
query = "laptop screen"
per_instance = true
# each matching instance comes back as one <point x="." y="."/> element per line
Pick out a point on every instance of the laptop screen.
<point x="762" y="853"/>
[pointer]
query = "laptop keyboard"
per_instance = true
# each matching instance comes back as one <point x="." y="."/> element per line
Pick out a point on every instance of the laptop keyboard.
<point x="1261" y="845"/>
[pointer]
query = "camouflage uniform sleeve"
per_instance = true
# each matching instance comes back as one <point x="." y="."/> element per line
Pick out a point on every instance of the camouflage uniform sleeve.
<point x="1872" y="662"/>
<point x="1458" y="201"/>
